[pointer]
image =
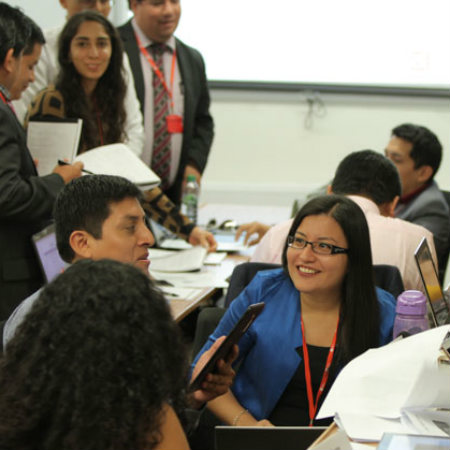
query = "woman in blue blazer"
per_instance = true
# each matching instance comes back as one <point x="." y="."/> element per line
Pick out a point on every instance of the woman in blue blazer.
<point x="323" y="297"/>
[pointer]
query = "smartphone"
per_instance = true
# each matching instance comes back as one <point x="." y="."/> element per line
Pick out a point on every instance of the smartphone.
<point x="222" y="352"/>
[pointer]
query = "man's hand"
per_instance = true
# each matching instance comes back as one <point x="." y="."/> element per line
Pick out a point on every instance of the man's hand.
<point x="204" y="238"/>
<point x="252" y="228"/>
<point x="191" y="170"/>
<point x="215" y="384"/>
<point x="69" y="172"/>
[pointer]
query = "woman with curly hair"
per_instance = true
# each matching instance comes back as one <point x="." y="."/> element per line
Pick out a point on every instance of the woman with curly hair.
<point x="98" y="364"/>
<point x="91" y="86"/>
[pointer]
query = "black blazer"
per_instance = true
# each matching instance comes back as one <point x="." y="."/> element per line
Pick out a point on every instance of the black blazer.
<point x="198" y="123"/>
<point x="26" y="203"/>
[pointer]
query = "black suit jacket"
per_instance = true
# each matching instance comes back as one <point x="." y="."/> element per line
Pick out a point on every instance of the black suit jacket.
<point x="198" y="124"/>
<point x="26" y="203"/>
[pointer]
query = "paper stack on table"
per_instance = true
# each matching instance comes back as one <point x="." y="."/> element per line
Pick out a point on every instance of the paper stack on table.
<point x="183" y="261"/>
<point x="401" y="387"/>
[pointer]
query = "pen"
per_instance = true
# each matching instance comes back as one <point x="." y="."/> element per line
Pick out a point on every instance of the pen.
<point x="65" y="163"/>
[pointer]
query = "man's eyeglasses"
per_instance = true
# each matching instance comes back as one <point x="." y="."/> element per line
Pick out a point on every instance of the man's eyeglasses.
<point x="321" y="248"/>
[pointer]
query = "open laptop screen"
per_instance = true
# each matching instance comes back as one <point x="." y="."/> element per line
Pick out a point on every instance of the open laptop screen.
<point x="439" y="308"/>
<point x="45" y="245"/>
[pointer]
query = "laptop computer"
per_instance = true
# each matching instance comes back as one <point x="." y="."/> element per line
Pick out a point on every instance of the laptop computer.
<point x="167" y="240"/>
<point x="266" y="438"/>
<point x="45" y="244"/>
<point x="439" y="309"/>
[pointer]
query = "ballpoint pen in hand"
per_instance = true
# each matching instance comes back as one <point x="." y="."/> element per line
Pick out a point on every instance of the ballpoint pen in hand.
<point x="65" y="163"/>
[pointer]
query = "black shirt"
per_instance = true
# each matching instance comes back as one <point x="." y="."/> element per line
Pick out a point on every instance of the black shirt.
<point x="292" y="407"/>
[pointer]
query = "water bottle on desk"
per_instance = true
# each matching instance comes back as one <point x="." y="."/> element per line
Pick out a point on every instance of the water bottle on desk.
<point x="411" y="313"/>
<point x="189" y="199"/>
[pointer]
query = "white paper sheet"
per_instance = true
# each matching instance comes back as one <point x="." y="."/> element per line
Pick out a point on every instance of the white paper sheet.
<point x="118" y="159"/>
<point x="50" y="141"/>
<point x="403" y="374"/>
<point x="182" y="261"/>
<point x="180" y="293"/>
<point x="363" y="427"/>
<point x="197" y="280"/>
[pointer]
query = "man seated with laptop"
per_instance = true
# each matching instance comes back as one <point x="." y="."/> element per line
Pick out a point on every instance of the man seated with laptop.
<point x="100" y="216"/>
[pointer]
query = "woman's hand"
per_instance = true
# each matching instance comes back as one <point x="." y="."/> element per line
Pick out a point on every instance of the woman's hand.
<point x="264" y="423"/>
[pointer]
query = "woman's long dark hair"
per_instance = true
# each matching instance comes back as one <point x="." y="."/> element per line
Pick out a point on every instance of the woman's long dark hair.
<point x="109" y="94"/>
<point x="359" y="314"/>
<point x="93" y="364"/>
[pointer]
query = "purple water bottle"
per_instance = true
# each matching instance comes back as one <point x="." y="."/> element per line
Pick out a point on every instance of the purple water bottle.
<point x="411" y="313"/>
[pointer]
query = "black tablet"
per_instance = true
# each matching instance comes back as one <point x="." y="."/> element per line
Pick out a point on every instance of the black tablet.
<point x="233" y="338"/>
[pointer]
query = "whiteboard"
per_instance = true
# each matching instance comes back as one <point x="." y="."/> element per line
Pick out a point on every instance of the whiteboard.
<point x="396" y="43"/>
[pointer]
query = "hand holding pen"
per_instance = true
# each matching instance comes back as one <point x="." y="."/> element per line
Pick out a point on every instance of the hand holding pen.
<point x="68" y="171"/>
<point x="65" y="163"/>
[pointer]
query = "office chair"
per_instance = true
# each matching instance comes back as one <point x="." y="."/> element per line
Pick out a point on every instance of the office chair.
<point x="209" y="318"/>
<point x="388" y="278"/>
<point x="443" y="269"/>
<point x="242" y="275"/>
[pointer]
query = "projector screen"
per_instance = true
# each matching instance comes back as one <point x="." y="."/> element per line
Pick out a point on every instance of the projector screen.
<point x="383" y="43"/>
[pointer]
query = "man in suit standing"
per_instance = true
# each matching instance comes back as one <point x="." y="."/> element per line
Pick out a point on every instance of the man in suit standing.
<point x="417" y="153"/>
<point x="171" y="86"/>
<point x="26" y="200"/>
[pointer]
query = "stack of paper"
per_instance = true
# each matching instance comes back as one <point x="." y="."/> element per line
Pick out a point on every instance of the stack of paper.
<point x="118" y="159"/>
<point x="50" y="141"/>
<point x="401" y="388"/>
<point x="182" y="261"/>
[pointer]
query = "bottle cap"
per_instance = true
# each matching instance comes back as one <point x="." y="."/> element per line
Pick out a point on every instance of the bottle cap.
<point x="412" y="303"/>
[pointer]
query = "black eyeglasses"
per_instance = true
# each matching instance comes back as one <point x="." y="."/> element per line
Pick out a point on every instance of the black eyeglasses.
<point x="321" y="248"/>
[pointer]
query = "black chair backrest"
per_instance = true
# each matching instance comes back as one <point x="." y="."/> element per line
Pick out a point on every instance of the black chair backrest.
<point x="386" y="277"/>
<point x="242" y="275"/>
<point x="443" y="267"/>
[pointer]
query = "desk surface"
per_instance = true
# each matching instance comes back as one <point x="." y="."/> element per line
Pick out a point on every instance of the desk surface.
<point x="182" y="307"/>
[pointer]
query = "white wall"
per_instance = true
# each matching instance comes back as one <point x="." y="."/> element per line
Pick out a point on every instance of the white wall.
<point x="263" y="151"/>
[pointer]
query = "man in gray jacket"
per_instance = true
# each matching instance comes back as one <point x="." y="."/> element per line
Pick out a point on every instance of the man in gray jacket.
<point x="417" y="153"/>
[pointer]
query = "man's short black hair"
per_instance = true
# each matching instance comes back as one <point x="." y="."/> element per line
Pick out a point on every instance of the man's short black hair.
<point x="14" y="31"/>
<point x="36" y="36"/>
<point x="84" y="204"/>
<point x="369" y="174"/>
<point x="426" y="148"/>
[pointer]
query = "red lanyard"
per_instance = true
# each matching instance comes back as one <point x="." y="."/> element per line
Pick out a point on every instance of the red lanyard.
<point x="99" y="122"/>
<point x="156" y="70"/>
<point x="7" y="103"/>
<point x="311" y="405"/>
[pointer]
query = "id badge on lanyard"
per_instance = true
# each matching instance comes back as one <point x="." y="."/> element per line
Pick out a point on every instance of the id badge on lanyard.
<point x="174" y="121"/>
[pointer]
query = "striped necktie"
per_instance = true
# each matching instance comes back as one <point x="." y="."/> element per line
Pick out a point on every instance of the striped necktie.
<point x="161" y="155"/>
